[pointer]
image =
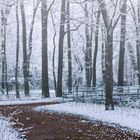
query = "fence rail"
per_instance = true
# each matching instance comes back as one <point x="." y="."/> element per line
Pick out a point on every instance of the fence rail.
<point x="88" y="94"/>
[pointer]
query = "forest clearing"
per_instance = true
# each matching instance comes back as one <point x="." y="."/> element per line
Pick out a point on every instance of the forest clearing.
<point x="69" y="69"/>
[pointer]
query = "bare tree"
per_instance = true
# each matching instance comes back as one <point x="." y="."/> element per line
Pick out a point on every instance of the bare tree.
<point x="31" y="32"/>
<point x="122" y="44"/>
<point x="44" y="22"/>
<point x="4" y="15"/>
<point x="110" y="26"/>
<point x="17" y="52"/>
<point x="136" y="19"/>
<point x="24" y="43"/>
<point x="103" y="55"/>
<point x="69" y="49"/>
<point x="54" y="51"/>
<point x="60" y="53"/>
<point x="3" y="49"/>
<point x="95" y="51"/>
<point x="88" y="50"/>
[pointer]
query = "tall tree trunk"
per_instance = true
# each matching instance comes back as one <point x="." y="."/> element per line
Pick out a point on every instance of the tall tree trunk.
<point x="109" y="72"/>
<point x="136" y="19"/>
<point x="45" y="78"/>
<point x="95" y="51"/>
<point x="25" y="57"/>
<point x="17" y="53"/>
<point x="88" y="54"/>
<point x="60" y="54"/>
<point x="54" y="51"/>
<point x="109" y="105"/>
<point x="103" y="56"/>
<point x="5" y="63"/>
<point x="138" y="42"/>
<point x="31" y="32"/>
<point x="69" y="49"/>
<point x="2" y="50"/>
<point x="138" y="55"/>
<point x="122" y="45"/>
<point x="4" y="83"/>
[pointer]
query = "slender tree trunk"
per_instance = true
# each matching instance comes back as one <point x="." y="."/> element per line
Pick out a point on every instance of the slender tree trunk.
<point x="45" y="77"/>
<point x="136" y="19"/>
<point x="138" y="42"/>
<point x="31" y="33"/>
<point x="103" y="56"/>
<point x="25" y="57"/>
<point x="5" y="63"/>
<point x="138" y="57"/>
<point x="109" y="72"/>
<point x="17" y="53"/>
<point x="110" y="26"/>
<point x="69" y="49"/>
<point x="60" y="54"/>
<point x="88" y="54"/>
<point x="95" y="51"/>
<point x="54" y="51"/>
<point x="2" y="50"/>
<point x="4" y="84"/>
<point x="122" y="45"/>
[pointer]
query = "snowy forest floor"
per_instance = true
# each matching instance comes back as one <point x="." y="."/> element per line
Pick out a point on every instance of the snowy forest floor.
<point x="54" y="126"/>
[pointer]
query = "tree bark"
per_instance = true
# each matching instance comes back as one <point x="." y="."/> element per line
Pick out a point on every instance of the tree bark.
<point x="45" y="77"/>
<point x="60" y="54"/>
<point x="103" y="56"/>
<point x="4" y="83"/>
<point x="88" y="51"/>
<point x="95" y="51"/>
<point x="69" y="49"/>
<point x="137" y="26"/>
<point x="5" y="63"/>
<point x="25" y="57"/>
<point x="122" y="45"/>
<point x="31" y="33"/>
<point x="3" y="52"/>
<point x="54" y="51"/>
<point x="17" y="53"/>
<point x="138" y="42"/>
<point x="109" y="105"/>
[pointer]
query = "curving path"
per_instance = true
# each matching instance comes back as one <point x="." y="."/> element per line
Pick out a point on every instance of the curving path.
<point x="51" y="126"/>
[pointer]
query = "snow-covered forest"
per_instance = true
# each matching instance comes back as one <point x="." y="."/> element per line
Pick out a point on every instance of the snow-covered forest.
<point x="70" y="57"/>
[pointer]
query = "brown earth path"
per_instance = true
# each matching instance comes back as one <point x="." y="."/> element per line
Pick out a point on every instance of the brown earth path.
<point x="52" y="126"/>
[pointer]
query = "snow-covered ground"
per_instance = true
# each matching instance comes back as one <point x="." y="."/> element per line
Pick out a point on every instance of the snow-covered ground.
<point x="30" y="101"/>
<point x="6" y="131"/>
<point x="125" y="117"/>
<point x="35" y="97"/>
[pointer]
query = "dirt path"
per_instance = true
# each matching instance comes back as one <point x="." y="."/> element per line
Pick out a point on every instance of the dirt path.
<point x="51" y="126"/>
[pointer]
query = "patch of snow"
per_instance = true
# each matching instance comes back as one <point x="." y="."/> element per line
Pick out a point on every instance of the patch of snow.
<point x="35" y="97"/>
<point x="30" y="101"/>
<point x="7" y="132"/>
<point x="135" y="104"/>
<point x="123" y="116"/>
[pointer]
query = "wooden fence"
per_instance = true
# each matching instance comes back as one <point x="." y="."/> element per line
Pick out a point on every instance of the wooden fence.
<point x="88" y="94"/>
